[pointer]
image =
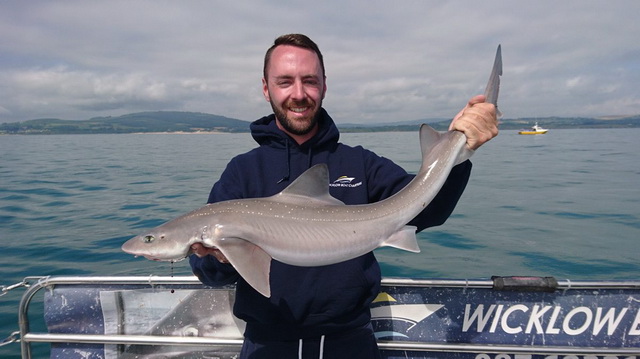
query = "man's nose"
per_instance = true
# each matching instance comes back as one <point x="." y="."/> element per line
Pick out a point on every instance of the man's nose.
<point x="298" y="92"/>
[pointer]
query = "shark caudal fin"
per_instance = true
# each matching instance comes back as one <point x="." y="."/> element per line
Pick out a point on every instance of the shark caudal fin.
<point x="251" y="261"/>
<point x="404" y="239"/>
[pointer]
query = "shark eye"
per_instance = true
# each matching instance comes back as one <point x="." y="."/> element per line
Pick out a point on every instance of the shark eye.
<point x="148" y="239"/>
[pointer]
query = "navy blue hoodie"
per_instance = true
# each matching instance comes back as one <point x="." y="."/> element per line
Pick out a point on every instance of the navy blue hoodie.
<point x="309" y="302"/>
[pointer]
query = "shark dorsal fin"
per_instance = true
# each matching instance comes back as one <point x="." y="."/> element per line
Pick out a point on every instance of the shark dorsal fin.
<point x="311" y="187"/>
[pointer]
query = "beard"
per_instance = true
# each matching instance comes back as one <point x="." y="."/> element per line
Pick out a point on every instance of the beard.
<point x="298" y="126"/>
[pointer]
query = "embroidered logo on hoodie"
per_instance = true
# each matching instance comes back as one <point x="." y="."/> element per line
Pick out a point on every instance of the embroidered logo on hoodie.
<point x="345" y="181"/>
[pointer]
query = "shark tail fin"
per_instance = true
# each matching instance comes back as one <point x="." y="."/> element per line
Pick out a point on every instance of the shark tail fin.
<point x="251" y="261"/>
<point x="404" y="239"/>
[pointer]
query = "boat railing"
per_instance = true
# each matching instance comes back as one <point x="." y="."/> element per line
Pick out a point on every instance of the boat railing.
<point x="168" y="282"/>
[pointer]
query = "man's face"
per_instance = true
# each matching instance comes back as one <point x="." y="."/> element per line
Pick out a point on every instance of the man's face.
<point x="295" y="87"/>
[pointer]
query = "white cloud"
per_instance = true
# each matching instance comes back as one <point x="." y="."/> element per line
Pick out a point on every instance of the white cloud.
<point x="573" y="82"/>
<point x="43" y="91"/>
<point x="418" y="59"/>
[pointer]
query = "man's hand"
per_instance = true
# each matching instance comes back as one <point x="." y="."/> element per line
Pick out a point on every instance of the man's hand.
<point x="202" y="251"/>
<point x="478" y="121"/>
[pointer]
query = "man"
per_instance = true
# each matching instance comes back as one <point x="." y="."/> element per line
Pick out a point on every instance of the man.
<point x="318" y="311"/>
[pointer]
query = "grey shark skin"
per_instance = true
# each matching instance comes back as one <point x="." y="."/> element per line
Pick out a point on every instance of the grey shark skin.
<point x="304" y="225"/>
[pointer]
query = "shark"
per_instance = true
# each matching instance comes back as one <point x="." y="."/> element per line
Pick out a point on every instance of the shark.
<point x="304" y="225"/>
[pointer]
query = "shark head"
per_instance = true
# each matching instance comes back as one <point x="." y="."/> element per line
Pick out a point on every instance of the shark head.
<point x="155" y="245"/>
<point x="170" y="241"/>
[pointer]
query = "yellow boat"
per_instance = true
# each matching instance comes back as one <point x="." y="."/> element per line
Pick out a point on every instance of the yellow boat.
<point x="535" y="130"/>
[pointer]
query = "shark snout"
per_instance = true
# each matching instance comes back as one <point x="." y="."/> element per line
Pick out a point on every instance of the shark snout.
<point x="139" y="245"/>
<point x="155" y="247"/>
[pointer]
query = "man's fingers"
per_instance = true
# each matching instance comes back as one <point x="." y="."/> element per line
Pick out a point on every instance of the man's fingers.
<point x="478" y="123"/>
<point x="201" y="251"/>
<point x="219" y="256"/>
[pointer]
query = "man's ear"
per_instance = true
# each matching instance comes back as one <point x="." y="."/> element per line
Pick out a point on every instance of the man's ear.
<point x="265" y="90"/>
<point x="324" y="92"/>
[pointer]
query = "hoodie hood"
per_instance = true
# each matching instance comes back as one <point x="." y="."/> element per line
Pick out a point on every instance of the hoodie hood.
<point x="265" y="132"/>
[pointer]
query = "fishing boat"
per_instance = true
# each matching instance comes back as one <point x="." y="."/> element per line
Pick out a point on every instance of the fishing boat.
<point x="497" y="318"/>
<point x="534" y="130"/>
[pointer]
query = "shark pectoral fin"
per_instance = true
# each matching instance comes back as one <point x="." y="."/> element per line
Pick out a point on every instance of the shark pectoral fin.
<point x="251" y="262"/>
<point x="404" y="239"/>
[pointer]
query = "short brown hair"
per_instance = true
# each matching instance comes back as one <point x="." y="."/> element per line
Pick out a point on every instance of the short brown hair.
<point x="297" y="40"/>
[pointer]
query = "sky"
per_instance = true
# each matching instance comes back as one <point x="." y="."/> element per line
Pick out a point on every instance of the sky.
<point x="385" y="61"/>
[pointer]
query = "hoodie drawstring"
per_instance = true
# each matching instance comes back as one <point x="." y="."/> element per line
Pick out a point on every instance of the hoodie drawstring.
<point x="288" y="159"/>
<point x="287" y="176"/>
<point x="321" y="348"/>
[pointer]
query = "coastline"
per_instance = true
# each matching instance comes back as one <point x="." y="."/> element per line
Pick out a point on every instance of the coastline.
<point x="180" y="133"/>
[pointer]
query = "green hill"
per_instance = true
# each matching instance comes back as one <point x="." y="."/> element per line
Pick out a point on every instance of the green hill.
<point x="161" y="121"/>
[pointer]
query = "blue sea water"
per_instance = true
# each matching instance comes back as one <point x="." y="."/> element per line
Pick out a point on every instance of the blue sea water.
<point x="564" y="204"/>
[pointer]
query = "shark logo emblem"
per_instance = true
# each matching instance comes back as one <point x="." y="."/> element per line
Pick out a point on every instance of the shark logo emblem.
<point x="396" y="320"/>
